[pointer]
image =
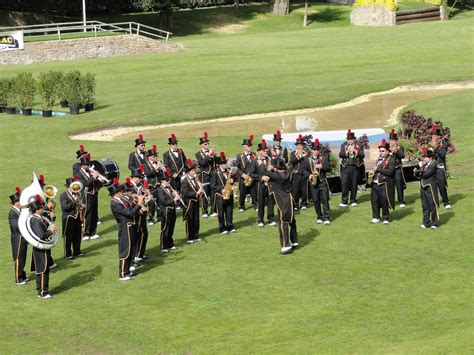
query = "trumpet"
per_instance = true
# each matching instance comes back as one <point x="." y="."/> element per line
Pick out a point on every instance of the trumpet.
<point x="370" y="177"/>
<point x="301" y="154"/>
<point x="158" y="165"/>
<point x="100" y="177"/>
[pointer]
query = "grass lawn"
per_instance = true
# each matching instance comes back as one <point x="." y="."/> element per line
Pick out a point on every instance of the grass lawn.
<point x="352" y="287"/>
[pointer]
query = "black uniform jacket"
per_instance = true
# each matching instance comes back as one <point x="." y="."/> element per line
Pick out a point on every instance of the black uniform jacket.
<point x="358" y="159"/>
<point x="189" y="193"/>
<point x="279" y="186"/>
<point x="135" y="159"/>
<point x="176" y="164"/>
<point x="206" y="163"/>
<point x="309" y="166"/>
<point x="278" y="152"/>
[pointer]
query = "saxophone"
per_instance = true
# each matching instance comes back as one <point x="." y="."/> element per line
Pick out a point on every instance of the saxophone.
<point x="315" y="173"/>
<point x="227" y="189"/>
<point x="370" y="177"/>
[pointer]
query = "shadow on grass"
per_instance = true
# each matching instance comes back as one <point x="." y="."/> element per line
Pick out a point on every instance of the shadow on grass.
<point x="97" y="245"/>
<point x="445" y="217"/>
<point x="77" y="280"/>
<point x="337" y="212"/>
<point x="401" y="213"/>
<point x="63" y="264"/>
<point x="157" y="258"/>
<point x="456" y="197"/>
<point x="326" y="15"/>
<point x="307" y="238"/>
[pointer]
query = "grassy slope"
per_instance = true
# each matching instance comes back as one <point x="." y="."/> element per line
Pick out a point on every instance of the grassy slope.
<point x="345" y="290"/>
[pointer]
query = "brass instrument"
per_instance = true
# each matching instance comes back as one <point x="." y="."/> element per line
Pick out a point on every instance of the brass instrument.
<point x="77" y="187"/>
<point x="315" y="174"/>
<point x="158" y="165"/>
<point x="301" y="154"/>
<point x="202" y="189"/>
<point x="50" y="192"/>
<point x="100" y="177"/>
<point x="370" y="177"/>
<point x="227" y="188"/>
<point x="248" y="182"/>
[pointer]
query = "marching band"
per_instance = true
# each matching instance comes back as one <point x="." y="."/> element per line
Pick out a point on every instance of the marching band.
<point x="207" y="186"/>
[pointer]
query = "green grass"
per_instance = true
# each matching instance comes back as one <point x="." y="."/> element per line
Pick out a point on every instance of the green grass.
<point x="352" y="287"/>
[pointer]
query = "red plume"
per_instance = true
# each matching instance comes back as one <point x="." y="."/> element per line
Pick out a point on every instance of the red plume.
<point x="316" y="142"/>
<point x="180" y="151"/>
<point x="433" y="128"/>
<point x="41" y="179"/>
<point x="116" y="182"/>
<point x="75" y="177"/>
<point x="154" y="148"/>
<point x="38" y="198"/>
<point x="278" y="134"/>
<point x="88" y="156"/>
<point x="168" y="171"/>
<point x="145" y="184"/>
<point x="349" y="132"/>
<point x="222" y="155"/>
<point x="173" y="137"/>
<point x="81" y="147"/>
<point x="142" y="168"/>
<point x="18" y="190"/>
<point x="383" y="141"/>
<point x="423" y="150"/>
<point x="140" y="137"/>
<point x="251" y="138"/>
<point x="190" y="162"/>
<point x="128" y="181"/>
<point x="300" y="137"/>
<point x="392" y="132"/>
<point x="205" y="135"/>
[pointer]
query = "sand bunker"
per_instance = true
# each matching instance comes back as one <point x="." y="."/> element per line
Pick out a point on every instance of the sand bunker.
<point x="304" y="119"/>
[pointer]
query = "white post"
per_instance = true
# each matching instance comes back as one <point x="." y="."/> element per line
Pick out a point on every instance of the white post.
<point x="84" y="14"/>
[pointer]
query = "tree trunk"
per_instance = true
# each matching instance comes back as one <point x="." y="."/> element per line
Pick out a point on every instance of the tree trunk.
<point x="305" y="19"/>
<point x="281" y="7"/>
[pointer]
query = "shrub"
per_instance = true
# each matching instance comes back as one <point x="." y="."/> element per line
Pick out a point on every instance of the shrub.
<point x="389" y="4"/>
<point x="3" y="93"/>
<point x="11" y="99"/>
<point x="48" y="89"/>
<point x="88" y="88"/>
<point x="72" y="87"/>
<point x="25" y="90"/>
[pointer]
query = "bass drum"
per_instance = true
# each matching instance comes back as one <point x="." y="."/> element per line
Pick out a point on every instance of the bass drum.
<point x="107" y="168"/>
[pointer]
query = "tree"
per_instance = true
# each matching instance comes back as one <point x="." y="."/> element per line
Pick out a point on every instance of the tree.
<point x="281" y="7"/>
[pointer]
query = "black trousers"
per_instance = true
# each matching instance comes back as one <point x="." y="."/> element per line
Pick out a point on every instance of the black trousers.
<point x="244" y="191"/>
<point x="225" y="209"/>
<point x="92" y="214"/>
<point x="41" y="260"/>
<point x="288" y="232"/>
<point x="400" y="185"/>
<point x="442" y="185"/>
<point x="429" y="204"/>
<point x="72" y="235"/>
<point x="192" y="221"/>
<point x="349" y="178"/>
<point x="168" y="222"/>
<point x="378" y="198"/>
<point x="125" y="242"/>
<point x="142" y="237"/>
<point x="299" y="189"/>
<point x="19" y="251"/>
<point x="265" y="200"/>
<point x="320" y="195"/>
<point x="153" y="209"/>
<point x="207" y="204"/>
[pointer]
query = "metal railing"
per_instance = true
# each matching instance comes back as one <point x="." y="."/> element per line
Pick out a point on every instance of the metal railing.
<point x="88" y="28"/>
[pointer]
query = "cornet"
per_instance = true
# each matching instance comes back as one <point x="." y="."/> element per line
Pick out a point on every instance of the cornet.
<point x="100" y="177"/>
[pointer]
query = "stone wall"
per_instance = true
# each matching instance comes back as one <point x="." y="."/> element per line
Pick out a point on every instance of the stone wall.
<point x="373" y="16"/>
<point x="84" y="48"/>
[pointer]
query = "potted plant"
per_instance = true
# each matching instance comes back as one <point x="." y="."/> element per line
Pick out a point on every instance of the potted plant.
<point x="48" y="91"/>
<point x="61" y="90"/>
<point x="2" y="96"/>
<point x="10" y="96"/>
<point x="72" y="90"/>
<point x="88" y="91"/>
<point x="26" y="89"/>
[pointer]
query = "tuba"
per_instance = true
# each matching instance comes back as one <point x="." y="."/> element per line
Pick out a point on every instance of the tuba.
<point x="24" y="222"/>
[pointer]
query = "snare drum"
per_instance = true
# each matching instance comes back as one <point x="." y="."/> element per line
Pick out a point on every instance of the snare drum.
<point x="107" y="168"/>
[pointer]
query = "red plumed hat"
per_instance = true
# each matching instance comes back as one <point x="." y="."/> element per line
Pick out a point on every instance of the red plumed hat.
<point x="18" y="190"/>
<point x="145" y="184"/>
<point x="75" y="178"/>
<point x="154" y="148"/>
<point x="81" y="147"/>
<point x="116" y="182"/>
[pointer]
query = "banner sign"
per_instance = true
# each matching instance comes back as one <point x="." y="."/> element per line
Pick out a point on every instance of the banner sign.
<point x="11" y="41"/>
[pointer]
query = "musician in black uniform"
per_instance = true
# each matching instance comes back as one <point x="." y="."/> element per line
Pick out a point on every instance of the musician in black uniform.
<point x="41" y="258"/>
<point x="315" y="170"/>
<point x="124" y="214"/>
<point x="190" y="192"/>
<point x="221" y="180"/>
<point x="398" y="153"/>
<point x="382" y="194"/>
<point x="72" y="210"/>
<point x="79" y="154"/>
<point x="441" y="148"/>
<point x="299" y="185"/>
<point x="279" y="185"/>
<point x="245" y="163"/>
<point x="206" y="164"/>
<point x="175" y="159"/>
<point x="427" y="172"/>
<point x="50" y="213"/>
<point x="19" y="244"/>
<point x="263" y="196"/>
<point x="152" y="170"/>
<point x="352" y="160"/>
<point x="91" y="183"/>
<point x="168" y="198"/>
<point x="139" y="155"/>
<point x="139" y="188"/>
<point x="277" y="151"/>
